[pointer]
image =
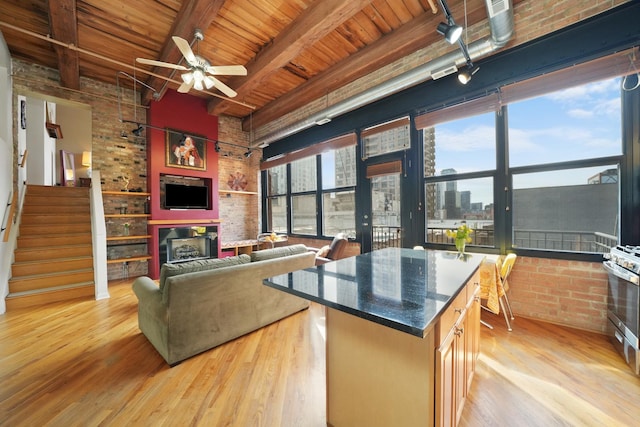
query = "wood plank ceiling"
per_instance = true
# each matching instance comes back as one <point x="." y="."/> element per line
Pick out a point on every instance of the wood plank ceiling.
<point x="295" y="51"/>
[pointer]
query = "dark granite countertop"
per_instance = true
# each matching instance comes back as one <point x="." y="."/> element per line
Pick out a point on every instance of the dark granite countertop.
<point x="404" y="289"/>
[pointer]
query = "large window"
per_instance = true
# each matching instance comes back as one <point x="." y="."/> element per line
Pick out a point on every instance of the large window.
<point x="559" y="205"/>
<point x="454" y="149"/>
<point x="337" y="177"/>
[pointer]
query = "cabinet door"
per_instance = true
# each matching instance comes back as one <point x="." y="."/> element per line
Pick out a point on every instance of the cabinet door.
<point x="472" y="337"/>
<point x="445" y="381"/>
<point x="450" y="375"/>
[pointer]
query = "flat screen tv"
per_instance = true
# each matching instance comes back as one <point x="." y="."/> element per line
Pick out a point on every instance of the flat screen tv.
<point x="179" y="196"/>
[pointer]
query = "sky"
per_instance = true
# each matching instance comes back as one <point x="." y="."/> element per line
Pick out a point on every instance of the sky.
<point x="572" y="124"/>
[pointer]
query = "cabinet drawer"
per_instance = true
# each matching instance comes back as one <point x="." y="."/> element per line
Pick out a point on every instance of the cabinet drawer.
<point x="451" y="316"/>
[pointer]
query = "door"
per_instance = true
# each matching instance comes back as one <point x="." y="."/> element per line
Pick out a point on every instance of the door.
<point x="386" y="211"/>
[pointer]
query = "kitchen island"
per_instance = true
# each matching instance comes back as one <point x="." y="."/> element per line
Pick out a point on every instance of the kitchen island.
<point x="402" y="334"/>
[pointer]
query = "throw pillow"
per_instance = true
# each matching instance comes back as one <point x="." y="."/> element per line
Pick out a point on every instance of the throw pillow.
<point x="324" y="251"/>
<point x="266" y="254"/>
<point x="169" y="270"/>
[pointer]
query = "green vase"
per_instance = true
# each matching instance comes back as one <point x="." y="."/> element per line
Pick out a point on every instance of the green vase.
<point x="460" y="245"/>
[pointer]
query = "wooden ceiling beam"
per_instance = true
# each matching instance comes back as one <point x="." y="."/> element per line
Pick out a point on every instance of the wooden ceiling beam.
<point x="415" y="35"/>
<point x="193" y="14"/>
<point x="318" y="20"/>
<point x="64" y="27"/>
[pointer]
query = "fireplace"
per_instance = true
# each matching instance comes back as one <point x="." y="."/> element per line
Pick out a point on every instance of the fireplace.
<point x="181" y="244"/>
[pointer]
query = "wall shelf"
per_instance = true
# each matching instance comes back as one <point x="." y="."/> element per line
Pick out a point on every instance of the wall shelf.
<point x="129" y="259"/>
<point x="127" y="215"/>
<point x="120" y="238"/>
<point x="228" y="192"/>
<point x="126" y="193"/>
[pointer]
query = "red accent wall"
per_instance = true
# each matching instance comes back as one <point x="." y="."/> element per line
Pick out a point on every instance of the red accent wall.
<point x="182" y="112"/>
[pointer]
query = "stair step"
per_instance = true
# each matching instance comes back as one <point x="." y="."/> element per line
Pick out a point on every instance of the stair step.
<point x="56" y="252"/>
<point x="52" y="209"/>
<point x="54" y="294"/>
<point x="56" y="191"/>
<point x="51" y="229"/>
<point x="44" y="281"/>
<point x="46" y="240"/>
<point x="45" y="266"/>
<point x="48" y="218"/>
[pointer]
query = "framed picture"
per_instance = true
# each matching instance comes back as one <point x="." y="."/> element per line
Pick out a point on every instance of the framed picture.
<point x="186" y="150"/>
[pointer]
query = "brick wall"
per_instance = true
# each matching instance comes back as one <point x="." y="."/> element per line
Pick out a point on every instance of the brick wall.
<point x="239" y="213"/>
<point x="117" y="158"/>
<point x="564" y="292"/>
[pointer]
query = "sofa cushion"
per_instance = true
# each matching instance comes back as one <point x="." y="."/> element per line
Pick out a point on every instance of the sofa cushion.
<point x="169" y="270"/>
<point x="278" y="252"/>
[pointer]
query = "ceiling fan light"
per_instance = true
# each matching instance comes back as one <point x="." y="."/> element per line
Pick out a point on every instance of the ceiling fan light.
<point x="450" y="32"/>
<point x="187" y="77"/>
<point x="198" y="75"/>
<point x="208" y="82"/>
<point x="198" y="85"/>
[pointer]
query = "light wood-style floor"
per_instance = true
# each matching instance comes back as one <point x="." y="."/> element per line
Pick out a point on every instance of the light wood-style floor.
<point x="86" y="363"/>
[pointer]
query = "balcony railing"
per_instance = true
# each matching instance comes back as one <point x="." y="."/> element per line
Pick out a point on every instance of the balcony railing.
<point x="575" y="241"/>
<point x="385" y="236"/>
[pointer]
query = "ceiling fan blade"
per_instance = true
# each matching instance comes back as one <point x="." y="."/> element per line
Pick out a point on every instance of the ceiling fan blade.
<point x="184" y="47"/>
<point x="185" y="87"/>
<point x="161" y="64"/>
<point x="224" y="88"/>
<point x="227" y="70"/>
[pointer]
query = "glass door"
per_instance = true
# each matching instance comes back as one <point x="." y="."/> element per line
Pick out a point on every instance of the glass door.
<point x="386" y="218"/>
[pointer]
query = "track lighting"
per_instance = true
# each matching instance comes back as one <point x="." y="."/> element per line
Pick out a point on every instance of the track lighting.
<point x="248" y="153"/>
<point x="450" y="31"/>
<point x="464" y="76"/>
<point x="217" y="147"/>
<point x="137" y="131"/>
<point x="123" y="135"/>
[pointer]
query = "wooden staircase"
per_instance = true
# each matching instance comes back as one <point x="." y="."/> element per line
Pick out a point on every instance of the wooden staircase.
<point x="54" y="256"/>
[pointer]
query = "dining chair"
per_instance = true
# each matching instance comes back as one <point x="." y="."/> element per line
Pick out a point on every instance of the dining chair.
<point x="505" y="271"/>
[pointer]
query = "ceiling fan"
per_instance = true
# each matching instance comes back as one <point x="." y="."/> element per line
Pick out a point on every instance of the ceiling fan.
<point x="199" y="71"/>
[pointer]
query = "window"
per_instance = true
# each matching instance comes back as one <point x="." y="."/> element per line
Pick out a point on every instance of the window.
<point x="339" y="207"/>
<point x="276" y="199"/>
<point x="563" y="206"/>
<point x="463" y="146"/>
<point x="304" y="179"/>
<point x="386" y="138"/>
<point x="450" y="203"/>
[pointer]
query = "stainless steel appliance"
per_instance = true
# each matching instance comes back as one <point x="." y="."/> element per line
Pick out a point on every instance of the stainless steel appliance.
<point x="623" y="302"/>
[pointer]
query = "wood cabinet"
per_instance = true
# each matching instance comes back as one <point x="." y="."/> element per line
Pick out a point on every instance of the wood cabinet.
<point x="126" y="243"/>
<point x="458" y="347"/>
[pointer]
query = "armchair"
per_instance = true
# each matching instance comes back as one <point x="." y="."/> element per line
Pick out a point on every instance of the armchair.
<point x="332" y="252"/>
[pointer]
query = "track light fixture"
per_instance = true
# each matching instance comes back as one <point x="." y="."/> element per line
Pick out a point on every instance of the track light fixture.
<point x="217" y="147"/>
<point x="450" y="31"/>
<point x="464" y="76"/>
<point x="137" y="131"/>
<point x="248" y="153"/>
<point x="453" y="33"/>
<point x="123" y="135"/>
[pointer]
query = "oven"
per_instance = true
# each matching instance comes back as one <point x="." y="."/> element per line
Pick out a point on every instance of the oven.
<point x="623" y="302"/>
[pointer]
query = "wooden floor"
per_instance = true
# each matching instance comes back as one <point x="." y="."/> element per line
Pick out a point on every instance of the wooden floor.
<point x="86" y="364"/>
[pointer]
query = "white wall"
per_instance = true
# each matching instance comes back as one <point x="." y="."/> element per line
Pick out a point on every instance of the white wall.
<point x="6" y="164"/>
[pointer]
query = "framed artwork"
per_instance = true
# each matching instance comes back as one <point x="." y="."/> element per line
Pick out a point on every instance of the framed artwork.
<point x="185" y="150"/>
